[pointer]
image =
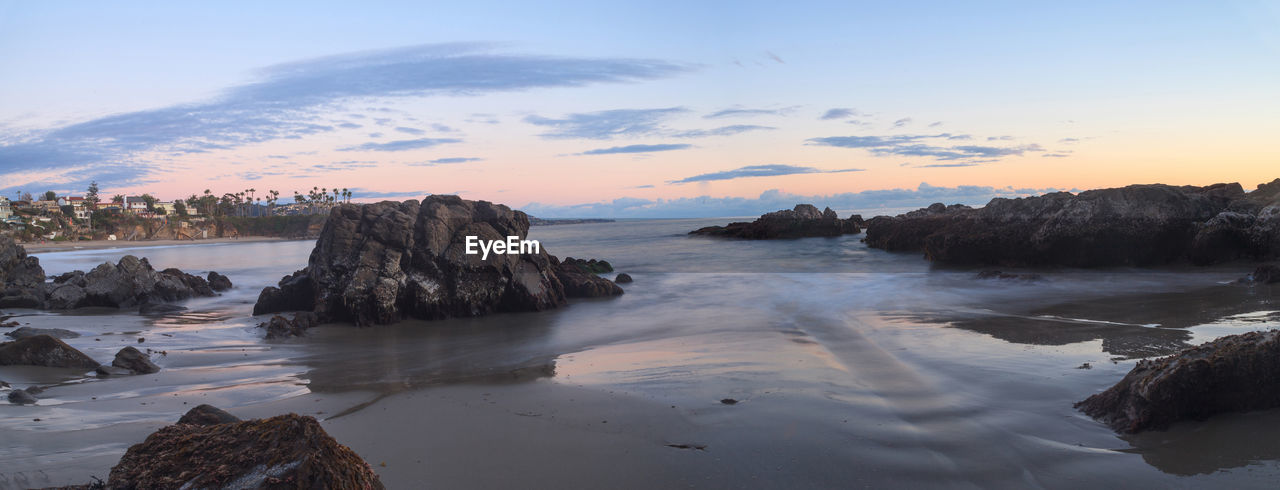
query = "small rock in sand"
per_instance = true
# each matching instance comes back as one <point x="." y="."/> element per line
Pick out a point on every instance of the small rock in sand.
<point x="21" y="397"/>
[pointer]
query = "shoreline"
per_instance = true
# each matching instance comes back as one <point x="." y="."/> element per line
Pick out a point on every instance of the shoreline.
<point x="54" y="247"/>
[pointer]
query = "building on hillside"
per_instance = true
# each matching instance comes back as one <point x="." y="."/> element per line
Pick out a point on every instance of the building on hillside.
<point x="134" y="204"/>
<point x="46" y="206"/>
<point x="5" y="210"/>
<point x="80" y="207"/>
<point x="168" y="208"/>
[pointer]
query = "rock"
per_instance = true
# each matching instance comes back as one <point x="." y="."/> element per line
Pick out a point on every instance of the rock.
<point x="21" y="397"/>
<point x="130" y="282"/>
<point x="21" y="277"/>
<point x="207" y="415"/>
<point x="135" y="361"/>
<point x="279" y="327"/>
<point x="219" y="282"/>
<point x="580" y="280"/>
<point x="43" y="350"/>
<point x="379" y="263"/>
<point x="623" y="278"/>
<point x="160" y="308"/>
<point x="1266" y="274"/>
<point x="994" y="274"/>
<point x="729" y="401"/>
<point x="57" y="333"/>
<point x="1235" y="373"/>
<point x="106" y="370"/>
<point x="1138" y="225"/>
<point x="287" y="451"/>
<point x="802" y="221"/>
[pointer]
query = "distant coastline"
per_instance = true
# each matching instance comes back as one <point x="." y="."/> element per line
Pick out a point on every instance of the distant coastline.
<point x="70" y="246"/>
<point x="565" y="221"/>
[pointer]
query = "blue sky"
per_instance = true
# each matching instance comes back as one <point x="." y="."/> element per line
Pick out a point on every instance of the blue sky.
<point x="566" y="108"/>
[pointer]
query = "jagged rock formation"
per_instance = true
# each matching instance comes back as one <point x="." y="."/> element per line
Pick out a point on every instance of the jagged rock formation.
<point x="279" y="327"/>
<point x="1235" y="373"/>
<point x="287" y="451"/>
<point x="206" y="414"/>
<point x="1137" y="225"/>
<point x="379" y="263"/>
<point x="580" y="280"/>
<point x="134" y="361"/>
<point x="803" y="221"/>
<point x="21" y="277"/>
<point x="130" y="282"/>
<point x="43" y="350"/>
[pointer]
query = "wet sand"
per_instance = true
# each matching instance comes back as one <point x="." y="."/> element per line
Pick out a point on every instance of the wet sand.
<point x="47" y="247"/>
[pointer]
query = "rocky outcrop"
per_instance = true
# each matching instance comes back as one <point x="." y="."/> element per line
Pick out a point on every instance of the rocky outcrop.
<point x="1138" y="225"/>
<point x="43" y="350"/>
<point x="803" y="221"/>
<point x="1232" y="374"/>
<point x="279" y="327"/>
<point x="21" y="277"/>
<point x="129" y="283"/>
<point x="1265" y="274"/>
<point x="580" y="280"/>
<point x="287" y="451"/>
<point x="134" y="361"/>
<point x="59" y="333"/>
<point x="623" y="278"/>
<point x="22" y="397"/>
<point x="379" y="263"/>
<point x="219" y="282"/>
<point x="206" y="414"/>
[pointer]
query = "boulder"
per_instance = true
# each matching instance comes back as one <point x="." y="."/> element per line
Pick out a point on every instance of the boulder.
<point x="591" y="266"/>
<point x="623" y="278"/>
<point x="802" y="221"/>
<point x="1235" y="373"/>
<point x="580" y="280"/>
<point x="1266" y="274"/>
<point x="43" y="350"/>
<point x="128" y="283"/>
<point x="1138" y="225"/>
<point x="287" y="451"/>
<point x="21" y="277"/>
<point x="135" y="361"/>
<point x="206" y="414"/>
<point x="58" y="333"/>
<point x="219" y="282"/>
<point x="379" y="263"/>
<point x="21" y="397"/>
<point x="279" y="327"/>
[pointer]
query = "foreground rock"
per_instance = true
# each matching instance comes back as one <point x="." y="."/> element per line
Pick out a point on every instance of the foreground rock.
<point x="130" y="282"/>
<point x="379" y="263"/>
<point x="218" y="282"/>
<point x="1138" y="225"/>
<point x="58" y="333"/>
<point x="136" y="362"/>
<point x="206" y="414"/>
<point x="279" y="327"/>
<point x="1235" y="373"/>
<point x="288" y="451"/>
<point x="580" y="280"/>
<point x="623" y="278"/>
<point x="43" y="350"/>
<point x="1265" y="274"/>
<point x="21" y="277"/>
<point x="22" y="397"/>
<point x="803" y="221"/>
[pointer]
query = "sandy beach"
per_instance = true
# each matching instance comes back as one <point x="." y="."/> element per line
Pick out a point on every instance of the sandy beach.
<point x="48" y="247"/>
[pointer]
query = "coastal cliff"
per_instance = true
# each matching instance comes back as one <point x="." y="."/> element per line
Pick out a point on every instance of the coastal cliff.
<point x="803" y="221"/>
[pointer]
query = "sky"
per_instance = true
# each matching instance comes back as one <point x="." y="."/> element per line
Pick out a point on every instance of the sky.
<point x="642" y="109"/>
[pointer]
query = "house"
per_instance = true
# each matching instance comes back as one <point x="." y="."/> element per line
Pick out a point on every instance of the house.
<point x="5" y="210"/>
<point x="46" y="206"/>
<point x="79" y="206"/>
<point x="167" y="207"/>
<point x="134" y="204"/>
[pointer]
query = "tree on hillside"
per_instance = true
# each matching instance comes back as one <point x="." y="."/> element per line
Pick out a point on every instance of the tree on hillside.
<point x="180" y="209"/>
<point x="150" y="201"/>
<point x="118" y="199"/>
<point x="50" y="196"/>
<point x="91" y="196"/>
<point x="26" y="196"/>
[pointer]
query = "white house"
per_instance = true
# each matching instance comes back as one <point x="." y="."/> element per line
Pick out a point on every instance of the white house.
<point x="5" y="210"/>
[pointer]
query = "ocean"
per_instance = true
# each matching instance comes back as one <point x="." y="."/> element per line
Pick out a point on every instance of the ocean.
<point x="807" y="363"/>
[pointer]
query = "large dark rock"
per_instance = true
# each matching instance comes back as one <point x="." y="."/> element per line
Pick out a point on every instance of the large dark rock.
<point x="580" y="280"/>
<point x="1138" y="225"/>
<point x="128" y="283"/>
<point x="279" y="327"/>
<point x="1266" y="274"/>
<point x="135" y="361"/>
<point x="379" y="263"/>
<point x="24" y="332"/>
<point x="287" y="451"/>
<point x="219" y="282"/>
<point x="803" y="221"/>
<point x="206" y="414"/>
<point x="21" y="277"/>
<point x="1232" y="374"/>
<point x="623" y="278"/>
<point x="43" y="350"/>
<point x="22" y="397"/>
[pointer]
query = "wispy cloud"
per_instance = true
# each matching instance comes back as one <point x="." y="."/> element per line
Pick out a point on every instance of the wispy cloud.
<point x="918" y="145"/>
<point x="839" y="113"/>
<point x="401" y="145"/>
<point x="902" y="122"/>
<point x="759" y="171"/>
<point x="721" y="131"/>
<point x="282" y="103"/>
<point x="446" y="161"/>
<point x="636" y="149"/>
<point x="413" y="131"/>
<point x="603" y="125"/>
<point x="743" y="112"/>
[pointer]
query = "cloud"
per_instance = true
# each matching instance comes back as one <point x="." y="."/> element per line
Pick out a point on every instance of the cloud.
<point x="740" y="112"/>
<point x="1056" y="155"/>
<point x="646" y="186"/>
<point x="445" y="161"/>
<point x="773" y="57"/>
<point x="413" y="131"/>
<point x="839" y="113"/>
<point x="902" y="122"/>
<point x="1000" y="138"/>
<point x="401" y="145"/>
<point x="349" y="125"/>
<point x="759" y="171"/>
<point x="605" y="125"/>
<point x="946" y="165"/>
<point x="935" y="124"/>
<point x="636" y="149"/>
<point x="284" y="99"/>
<point x="916" y="146"/>
<point x="721" y="131"/>
<point x="870" y="202"/>
<point x="1069" y="141"/>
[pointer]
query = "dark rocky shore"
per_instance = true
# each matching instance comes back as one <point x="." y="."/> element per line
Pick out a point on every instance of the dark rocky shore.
<point x="379" y="263"/>
<point x="803" y="221"/>
<point x="1137" y="225"/>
